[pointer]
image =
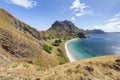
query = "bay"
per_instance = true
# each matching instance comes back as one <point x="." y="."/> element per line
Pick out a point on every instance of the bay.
<point x="95" y="45"/>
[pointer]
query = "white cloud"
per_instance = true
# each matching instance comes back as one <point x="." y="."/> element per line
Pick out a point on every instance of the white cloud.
<point x="73" y="18"/>
<point x="118" y="15"/>
<point x="110" y="27"/>
<point x="115" y="18"/>
<point x="78" y="7"/>
<point x="24" y="3"/>
<point x="79" y="14"/>
<point x="113" y="24"/>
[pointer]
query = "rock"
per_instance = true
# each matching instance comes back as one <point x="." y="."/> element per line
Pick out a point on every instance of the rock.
<point x="78" y="66"/>
<point x="81" y="35"/>
<point x="117" y="60"/>
<point x="88" y="68"/>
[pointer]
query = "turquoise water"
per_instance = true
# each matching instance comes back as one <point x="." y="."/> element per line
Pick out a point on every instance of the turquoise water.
<point x="95" y="45"/>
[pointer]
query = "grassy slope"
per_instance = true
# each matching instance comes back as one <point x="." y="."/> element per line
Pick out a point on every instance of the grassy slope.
<point x="60" y="59"/>
<point x="28" y="61"/>
<point x="101" y="68"/>
<point x="20" y="46"/>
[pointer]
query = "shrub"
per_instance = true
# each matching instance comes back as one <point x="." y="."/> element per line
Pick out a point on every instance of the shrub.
<point x="55" y="44"/>
<point x="30" y="62"/>
<point x="60" y="52"/>
<point x="61" y="63"/>
<point x="47" y="48"/>
<point x="50" y="47"/>
<point x="45" y="38"/>
<point x="58" y="41"/>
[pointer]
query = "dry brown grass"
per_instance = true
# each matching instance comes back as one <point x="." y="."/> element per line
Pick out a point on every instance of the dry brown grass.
<point x="100" y="68"/>
<point x="18" y="45"/>
<point x="22" y="58"/>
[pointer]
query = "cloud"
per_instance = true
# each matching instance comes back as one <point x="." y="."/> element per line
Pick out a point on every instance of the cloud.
<point x="79" y="14"/>
<point x="78" y="7"/>
<point x="115" y="18"/>
<point x="24" y="3"/>
<point x="110" y="27"/>
<point x="113" y="24"/>
<point x="73" y="18"/>
<point x="118" y="15"/>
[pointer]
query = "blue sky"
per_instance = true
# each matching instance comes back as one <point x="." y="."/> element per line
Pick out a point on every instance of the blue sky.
<point x="86" y="14"/>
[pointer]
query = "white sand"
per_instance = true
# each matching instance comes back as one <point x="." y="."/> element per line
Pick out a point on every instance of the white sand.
<point x="71" y="57"/>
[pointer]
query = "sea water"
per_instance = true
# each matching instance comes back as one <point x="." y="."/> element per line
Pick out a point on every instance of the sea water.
<point x="95" y="45"/>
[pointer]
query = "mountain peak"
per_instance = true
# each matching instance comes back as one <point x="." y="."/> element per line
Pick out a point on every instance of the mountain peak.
<point x="64" y="28"/>
<point x="63" y="24"/>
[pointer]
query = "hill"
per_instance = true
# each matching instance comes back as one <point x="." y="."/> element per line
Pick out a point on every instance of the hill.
<point x="95" y="31"/>
<point x="21" y="26"/>
<point x="100" y="68"/>
<point x="62" y="29"/>
<point x="27" y="54"/>
<point x="66" y="30"/>
<point x="21" y="43"/>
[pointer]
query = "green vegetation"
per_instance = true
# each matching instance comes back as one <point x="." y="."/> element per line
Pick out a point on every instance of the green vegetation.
<point x="30" y="62"/>
<point x="45" y="38"/>
<point x="61" y="56"/>
<point x="57" y="42"/>
<point x="47" y="48"/>
<point x="60" y="52"/>
<point x="9" y="78"/>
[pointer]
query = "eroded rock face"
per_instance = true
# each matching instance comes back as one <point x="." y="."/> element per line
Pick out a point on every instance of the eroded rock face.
<point x="9" y="19"/>
<point x="89" y="69"/>
<point x="81" y="35"/>
<point x="19" y="46"/>
<point x="117" y="60"/>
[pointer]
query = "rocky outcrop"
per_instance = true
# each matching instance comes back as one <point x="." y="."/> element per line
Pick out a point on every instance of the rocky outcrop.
<point x="64" y="29"/>
<point x="21" y="26"/>
<point x="81" y="35"/>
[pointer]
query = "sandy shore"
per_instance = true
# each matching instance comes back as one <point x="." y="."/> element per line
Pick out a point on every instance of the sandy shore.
<point x="70" y="55"/>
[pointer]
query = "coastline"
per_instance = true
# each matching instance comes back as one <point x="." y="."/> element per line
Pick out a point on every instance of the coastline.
<point x="70" y="56"/>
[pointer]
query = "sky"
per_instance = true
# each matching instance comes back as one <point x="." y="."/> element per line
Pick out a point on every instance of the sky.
<point x="85" y="14"/>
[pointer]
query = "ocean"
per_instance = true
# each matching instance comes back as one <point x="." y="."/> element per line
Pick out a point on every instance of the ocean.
<point x="95" y="45"/>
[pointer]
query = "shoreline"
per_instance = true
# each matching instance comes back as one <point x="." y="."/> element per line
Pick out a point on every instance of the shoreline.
<point x="70" y="56"/>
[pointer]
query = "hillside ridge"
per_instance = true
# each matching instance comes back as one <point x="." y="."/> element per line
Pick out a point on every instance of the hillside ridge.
<point x="21" y="26"/>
